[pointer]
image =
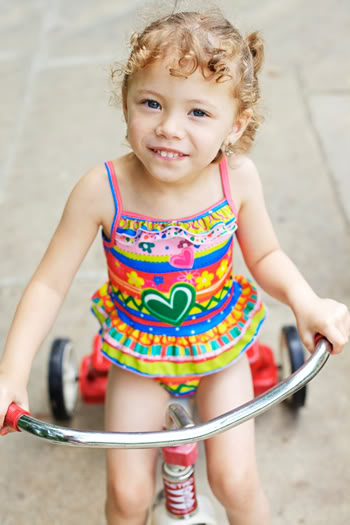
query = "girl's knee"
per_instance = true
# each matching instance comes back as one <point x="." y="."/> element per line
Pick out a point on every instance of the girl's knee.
<point x="234" y="489"/>
<point x="129" y="498"/>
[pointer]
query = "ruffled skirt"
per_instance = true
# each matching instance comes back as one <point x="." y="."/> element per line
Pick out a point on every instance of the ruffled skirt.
<point x="174" y="359"/>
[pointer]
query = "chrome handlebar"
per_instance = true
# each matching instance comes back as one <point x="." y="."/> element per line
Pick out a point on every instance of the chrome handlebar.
<point x="21" y="420"/>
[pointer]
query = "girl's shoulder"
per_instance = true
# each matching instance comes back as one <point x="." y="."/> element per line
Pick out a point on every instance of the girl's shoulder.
<point x="97" y="181"/>
<point x="92" y="196"/>
<point x="102" y="184"/>
<point x="93" y="183"/>
<point x="244" y="178"/>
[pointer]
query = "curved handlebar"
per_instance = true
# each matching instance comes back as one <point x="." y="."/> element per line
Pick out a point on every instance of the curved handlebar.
<point x="21" y="420"/>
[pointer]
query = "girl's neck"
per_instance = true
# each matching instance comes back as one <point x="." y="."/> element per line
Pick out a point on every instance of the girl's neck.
<point x="183" y="185"/>
<point x="166" y="201"/>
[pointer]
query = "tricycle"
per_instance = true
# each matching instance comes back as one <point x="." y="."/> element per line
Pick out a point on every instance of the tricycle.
<point x="178" y="499"/>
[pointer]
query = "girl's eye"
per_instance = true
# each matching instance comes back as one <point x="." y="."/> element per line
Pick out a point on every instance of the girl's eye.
<point x="198" y="113"/>
<point x="152" y="104"/>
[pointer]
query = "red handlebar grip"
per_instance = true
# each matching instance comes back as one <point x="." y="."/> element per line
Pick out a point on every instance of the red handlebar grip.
<point x="14" y="412"/>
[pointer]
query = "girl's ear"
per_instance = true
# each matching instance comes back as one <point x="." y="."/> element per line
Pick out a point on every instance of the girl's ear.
<point x="238" y="128"/>
<point x="125" y="111"/>
<point x="125" y="105"/>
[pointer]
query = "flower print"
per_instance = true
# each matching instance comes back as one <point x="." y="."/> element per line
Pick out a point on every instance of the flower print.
<point x="135" y="280"/>
<point x="146" y="246"/>
<point x="158" y="279"/>
<point x="184" y="244"/>
<point x="204" y="280"/>
<point x="188" y="277"/>
<point x="222" y="268"/>
<point x="149" y="283"/>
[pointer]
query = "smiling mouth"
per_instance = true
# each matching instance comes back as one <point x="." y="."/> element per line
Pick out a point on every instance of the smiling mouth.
<point x="172" y="155"/>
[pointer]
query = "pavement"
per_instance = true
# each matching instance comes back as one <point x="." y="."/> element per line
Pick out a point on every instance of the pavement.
<point x="56" y="122"/>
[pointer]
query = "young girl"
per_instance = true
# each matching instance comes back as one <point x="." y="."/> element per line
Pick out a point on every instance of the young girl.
<point x="174" y="318"/>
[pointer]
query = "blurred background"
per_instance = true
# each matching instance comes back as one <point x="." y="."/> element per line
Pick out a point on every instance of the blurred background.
<point x="56" y="122"/>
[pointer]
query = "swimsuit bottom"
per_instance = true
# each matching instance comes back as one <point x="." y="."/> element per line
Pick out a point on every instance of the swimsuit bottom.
<point x="182" y="387"/>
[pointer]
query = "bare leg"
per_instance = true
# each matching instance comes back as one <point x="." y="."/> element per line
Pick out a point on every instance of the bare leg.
<point x="133" y="403"/>
<point x="231" y="460"/>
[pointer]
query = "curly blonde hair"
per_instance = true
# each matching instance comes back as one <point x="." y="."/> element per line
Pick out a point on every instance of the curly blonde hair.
<point x="207" y="41"/>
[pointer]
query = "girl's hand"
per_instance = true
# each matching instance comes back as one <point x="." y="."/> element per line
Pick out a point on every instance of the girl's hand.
<point x="325" y="317"/>
<point x="10" y="392"/>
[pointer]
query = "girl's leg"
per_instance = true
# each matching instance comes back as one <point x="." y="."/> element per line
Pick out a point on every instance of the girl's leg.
<point x="231" y="461"/>
<point x="133" y="403"/>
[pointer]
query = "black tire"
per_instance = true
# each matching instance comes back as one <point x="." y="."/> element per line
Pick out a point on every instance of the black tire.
<point x="292" y="358"/>
<point x="62" y="380"/>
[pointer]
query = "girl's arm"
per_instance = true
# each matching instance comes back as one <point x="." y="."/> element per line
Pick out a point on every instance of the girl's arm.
<point x="276" y="273"/>
<point x="45" y="292"/>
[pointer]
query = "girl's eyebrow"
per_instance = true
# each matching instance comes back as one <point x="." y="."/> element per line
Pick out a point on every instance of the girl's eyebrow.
<point x="148" y="92"/>
<point x="202" y="102"/>
<point x="158" y="95"/>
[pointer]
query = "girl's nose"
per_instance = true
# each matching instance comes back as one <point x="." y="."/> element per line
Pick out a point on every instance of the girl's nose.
<point x="170" y="127"/>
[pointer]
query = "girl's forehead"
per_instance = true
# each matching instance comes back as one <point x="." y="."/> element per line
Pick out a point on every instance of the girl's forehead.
<point x="157" y="77"/>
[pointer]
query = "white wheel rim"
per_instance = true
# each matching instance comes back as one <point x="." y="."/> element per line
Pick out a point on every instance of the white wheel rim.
<point x="69" y="378"/>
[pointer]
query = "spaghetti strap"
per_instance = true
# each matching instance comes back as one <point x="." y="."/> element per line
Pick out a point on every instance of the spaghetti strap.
<point x="226" y="185"/>
<point x="117" y="200"/>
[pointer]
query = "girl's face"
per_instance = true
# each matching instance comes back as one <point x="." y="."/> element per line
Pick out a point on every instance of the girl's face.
<point x="177" y="125"/>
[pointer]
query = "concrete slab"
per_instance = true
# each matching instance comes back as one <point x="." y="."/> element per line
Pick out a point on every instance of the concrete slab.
<point x="305" y="214"/>
<point x="20" y="25"/>
<point x="92" y="31"/>
<point x="53" y="60"/>
<point x="63" y="126"/>
<point x="48" y="157"/>
<point x="331" y="118"/>
<point x="14" y="73"/>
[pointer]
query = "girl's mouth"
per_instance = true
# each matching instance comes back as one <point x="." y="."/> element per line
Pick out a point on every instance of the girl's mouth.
<point x="168" y="155"/>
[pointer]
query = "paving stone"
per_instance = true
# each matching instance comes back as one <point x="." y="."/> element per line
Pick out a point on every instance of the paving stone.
<point x="20" y="24"/>
<point x="307" y="206"/>
<point x="331" y="118"/>
<point x="44" y="172"/>
<point x="54" y="58"/>
<point x="13" y="75"/>
<point x="92" y="31"/>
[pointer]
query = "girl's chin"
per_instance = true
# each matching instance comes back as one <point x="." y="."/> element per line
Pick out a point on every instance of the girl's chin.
<point x="167" y="178"/>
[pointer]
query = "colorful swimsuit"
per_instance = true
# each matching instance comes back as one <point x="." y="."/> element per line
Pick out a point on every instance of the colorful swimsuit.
<point x="171" y="309"/>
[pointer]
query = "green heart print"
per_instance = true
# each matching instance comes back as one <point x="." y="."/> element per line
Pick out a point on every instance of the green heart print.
<point x="172" y="309"/>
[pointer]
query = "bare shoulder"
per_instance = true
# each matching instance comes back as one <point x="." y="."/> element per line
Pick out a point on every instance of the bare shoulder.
<point x="92" y="196"/>
<point x="244" y="179"/>
<point x="94" y="181"/>
<point x="91" y="185"/>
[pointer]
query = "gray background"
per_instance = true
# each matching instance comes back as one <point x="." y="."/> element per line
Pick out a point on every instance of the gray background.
<point x="55" y="123"/>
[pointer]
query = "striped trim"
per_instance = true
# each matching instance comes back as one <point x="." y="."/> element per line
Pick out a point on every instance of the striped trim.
<point x="195" y="367"/>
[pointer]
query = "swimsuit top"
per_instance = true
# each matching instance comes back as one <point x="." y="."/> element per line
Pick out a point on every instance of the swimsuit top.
<point x="172" y="277"/>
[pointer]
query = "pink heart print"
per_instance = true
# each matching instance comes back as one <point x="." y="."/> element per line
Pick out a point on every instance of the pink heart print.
<point x="184" y="259"/>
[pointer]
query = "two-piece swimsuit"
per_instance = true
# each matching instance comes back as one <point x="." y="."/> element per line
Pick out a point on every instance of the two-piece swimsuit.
<point x="171" y="308"/>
